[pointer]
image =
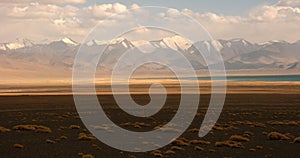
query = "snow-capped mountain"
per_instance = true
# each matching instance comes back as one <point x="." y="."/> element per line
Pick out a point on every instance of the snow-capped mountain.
<point x="26" y="43"/>
<point x="238" y="54"/>
<point x="18" y="43"/>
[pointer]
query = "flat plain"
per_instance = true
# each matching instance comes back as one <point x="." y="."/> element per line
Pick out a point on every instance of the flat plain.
<point x="254" y="124"/>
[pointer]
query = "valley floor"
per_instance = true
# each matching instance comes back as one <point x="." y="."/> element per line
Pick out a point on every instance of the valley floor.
<point x="57" y="128"/>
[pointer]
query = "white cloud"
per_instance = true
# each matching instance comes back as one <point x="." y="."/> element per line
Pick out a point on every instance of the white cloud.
<point x="292" y="3"/>
<point x="261" y="24"/>
<point x="266" y="13"/>
<point x="43" y="1"/>
<point x="39" y="21"/>
<point x="103" y="11"/>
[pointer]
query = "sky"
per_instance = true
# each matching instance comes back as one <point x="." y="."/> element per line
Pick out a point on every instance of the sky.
<point x="226" y="7"/>
<point x="255" y="20"/>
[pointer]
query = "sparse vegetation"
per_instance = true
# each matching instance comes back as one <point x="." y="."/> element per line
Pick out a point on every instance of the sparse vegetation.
<point x="252" y="149"/>
<point x="35" y="128"/>
<point x="74" y="127"/>
<point x="87" y="156"/>
<point x="132" y="156"/>
<point x="229" y="143"/>
<point x="223" y="128"/>
<point x="135" y="125"/>
<point x="198" y="148"/>
<point x="176" y="148"/>
<point x="49" y="141"/>
<point x="193" y="130"/>
<point x="199" y="142"/>
<point x="180" y="142"/>
<point x="63" y="137"/>
<point x="239" y="138"/>
<point x="169" y="152"/>
<point x="18" y="146"/>
<point x="84" y="136"/>
<point x="286" y="122"/>
<point x="277" y="136"/>
<point x="3" y="129"/>
<point x="296" y="140"/>
<point x="248" y="134"/>
<point x="156" y="153"/>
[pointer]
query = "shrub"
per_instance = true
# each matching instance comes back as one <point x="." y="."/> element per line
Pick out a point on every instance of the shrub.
<point x="277" y="136"/>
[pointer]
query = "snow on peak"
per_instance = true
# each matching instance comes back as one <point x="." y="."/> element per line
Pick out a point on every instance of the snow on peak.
<point x="144" y="46"/>
<point x="177" y="42"/>
<point x="140" y="43"/>
<point x="3" y="47"/>
<point x="229" y="44"/>
<point x="240" y="40"/>
<point x="117" y="40"/>
<point x="121" y="40"/>
<point x="18" y="43"/>
<point x="217" y="45"/>
<point x="15" y="45"/>
<point x="271" y="42"/>
<point x="207" y="45"/>
<point x="69" y="41"/>
<point x="27" y="43"/>
<point x="95" y="42"/>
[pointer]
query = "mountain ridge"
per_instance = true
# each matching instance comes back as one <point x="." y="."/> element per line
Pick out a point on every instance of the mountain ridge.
<point x="238" y="54"/>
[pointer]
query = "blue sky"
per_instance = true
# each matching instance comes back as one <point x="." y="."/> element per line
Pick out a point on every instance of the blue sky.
<point x="226" y="7"/>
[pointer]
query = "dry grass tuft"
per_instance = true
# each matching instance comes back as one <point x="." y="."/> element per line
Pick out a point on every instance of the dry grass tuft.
<point x="169" y="152"/>
<point x="277" y="136"/>
<point x="248" y="134"/>
<point x="259" y="147"/>
<point x="63" y="137"/>
<point x="156" y="153"/>
<point x="74" y="127"/>
<point x="96" y="147"/>
<point x="198" y="148"/>
<point x="19" y="146"/>
<point x="286" y="122"/>
<point x="176" y="148"/>
<point x="84" y="136"/>
<point x="49" y="141"/>
<point x="180" y="142"/>
<point x="35" y="128"/>
<point x="3" y="129"/>
<point x="141" y="124"/>
<point x="239" y="138"/>
<point x="193" y="130"/>
<point x="87" y="156"/>
<point x="296" y="140"/>
<point x="229" y="143"/>
<point x="223" y="128"/>
<point x="251" y="124"/>
<point x="125" y="124"/>
<point x="199" y="142"/>
<point x="252" y="149"/>
<point x="135" y="125"/>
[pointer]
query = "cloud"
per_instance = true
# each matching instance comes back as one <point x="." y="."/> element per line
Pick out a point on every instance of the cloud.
<point x="292" y="3"/>
<point x="103" y="11"/>
<point x="38" y="21"/>
<point x="44" y="1"/>
<point x="267" y="13"/>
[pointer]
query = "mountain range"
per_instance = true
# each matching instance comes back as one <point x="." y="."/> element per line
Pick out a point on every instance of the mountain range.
<point x="238" y="54"/>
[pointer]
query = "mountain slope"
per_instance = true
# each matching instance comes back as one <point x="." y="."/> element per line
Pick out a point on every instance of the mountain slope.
<point x="238" y="54"/>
